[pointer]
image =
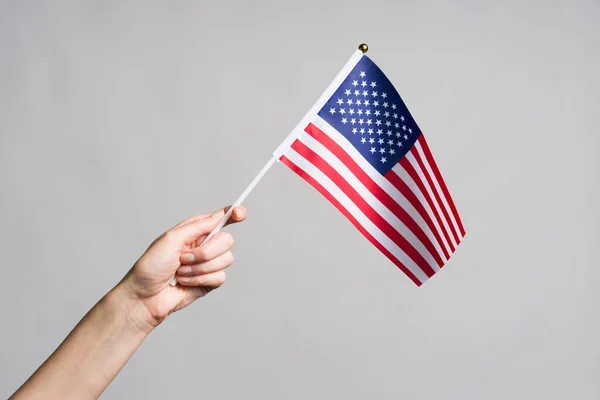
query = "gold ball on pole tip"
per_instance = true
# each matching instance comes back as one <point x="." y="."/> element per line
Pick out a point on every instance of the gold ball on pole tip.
<point x="363" y="47"/>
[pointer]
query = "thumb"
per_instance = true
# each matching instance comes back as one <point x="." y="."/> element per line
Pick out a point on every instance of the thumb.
<point x="196" y="229"/>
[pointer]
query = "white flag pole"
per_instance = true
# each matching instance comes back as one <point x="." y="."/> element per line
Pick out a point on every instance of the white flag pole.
<point x="282" y="148"/>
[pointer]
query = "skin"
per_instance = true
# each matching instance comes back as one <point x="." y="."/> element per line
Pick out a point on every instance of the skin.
<point x="104" y="340"/>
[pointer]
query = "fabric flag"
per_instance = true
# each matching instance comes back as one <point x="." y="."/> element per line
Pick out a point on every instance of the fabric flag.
<point x="365" y="153"/>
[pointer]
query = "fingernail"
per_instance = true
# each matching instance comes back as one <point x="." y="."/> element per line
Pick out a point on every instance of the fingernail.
<point x="183" y="278"/>
<point x="185" y="270"/>
<point x="187" y="258"/>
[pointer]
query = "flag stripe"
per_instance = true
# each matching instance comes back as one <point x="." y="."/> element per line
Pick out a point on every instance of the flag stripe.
<point x="381" y="201"/>
<point x="349" y="191"/>
<point x="410" y="169"/>
<point x="438" y="191"/>
<point x="438" y="201"/>
<point x="440" y="180"/>
<point x="413" y="198"/>
<point x="400" y="194"/>
<point x="376" y="237"/>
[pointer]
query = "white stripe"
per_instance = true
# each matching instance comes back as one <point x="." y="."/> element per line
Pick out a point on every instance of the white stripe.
<point x="437" y="187"/>
<point x="312" y="113"/>
<point x="384" y="184"/>
<point x="406" y="178"/>
<point x="411" y="158"/>
<point x="371" y="200"/>
<point x="360" y="217"/>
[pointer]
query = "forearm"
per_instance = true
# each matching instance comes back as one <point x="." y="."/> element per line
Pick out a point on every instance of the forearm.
<point x="93" y="353"/>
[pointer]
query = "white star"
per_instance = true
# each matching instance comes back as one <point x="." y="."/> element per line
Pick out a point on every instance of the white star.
<point x="357" y="102"/>
<point x="392" y="151"/>
<point x="354" y="130"/>
<point x="405" y="137"/>
<point x="402" y="118"/>
<point x="362" y="130"/>
<point x="373" y="150"/>
<point x="363" y="140"/>
<point x="396" y="125"/>
<point x="383" y="160"/>
<point x="342" y="111"/>
<point x="365" y="93"/>
<point x="393" y="106"/>
<point x="388" y="123"/>
<point x="377" y="113"/>
<point x="368" y="112"/>
<point x="370" y="131"/>
<point x="399" y="144"/>
<point x="356" y="92"/>
<point x="379" y="132"/>
<point x="371" y="140"/>
<point x="373" y="84"/>
<point x="363" y="84"/>
<point x="382" y="150"/>
<point x="349" y="102"/>
<point x="344" y="120"/>
<point x="375" y="94"/>
<point x="340" y="101"/>
<point x="378" y="122"/>
<point x="397" y="134"/>
<point x="380" y="141"/>
<point x="351" y="111"/>
<point x="403" y="127"/>
<point x="369" y="122"/>
<point x="362" y="74"/>
<point x="355" y="83"/>
<point x="367" y="102"/>
<point x="390" y="142"/>
<point x="347" y="92"/>
<point x="389" y="133"/>
<point x="395" y="116"/>
<point x="376" y="104"/>
<point x="360" y="112"/>
<point x="352" y="121"/>
<point x="332" y="111"/>
<point x="385" y="105"/>
<point x="360" y="121"/>
<point x="387" y="114"/>
<point x="409" y="130"/>
<point x="384" y="95"/>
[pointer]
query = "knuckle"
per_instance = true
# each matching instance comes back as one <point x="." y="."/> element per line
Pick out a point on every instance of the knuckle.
<point x="203" y="252"/>
<point x="221" y="278"/>
<point x="229" y="239"/>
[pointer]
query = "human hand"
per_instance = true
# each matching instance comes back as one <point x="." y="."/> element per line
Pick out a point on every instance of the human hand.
<point x="198" y="269"/>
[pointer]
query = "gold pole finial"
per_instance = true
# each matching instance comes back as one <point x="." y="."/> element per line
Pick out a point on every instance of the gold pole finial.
<point x="363" y="47"/>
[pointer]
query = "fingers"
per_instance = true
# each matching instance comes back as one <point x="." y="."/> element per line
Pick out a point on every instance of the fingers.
<point x="216" y="264"/>
<point x="238" y="215"/>
<point x="219" y="244"/>
<point x="192" y="231"/>
<point x="212" y="280"/>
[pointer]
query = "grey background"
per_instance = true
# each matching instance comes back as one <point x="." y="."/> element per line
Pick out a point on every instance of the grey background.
<point x="118" y="119"/>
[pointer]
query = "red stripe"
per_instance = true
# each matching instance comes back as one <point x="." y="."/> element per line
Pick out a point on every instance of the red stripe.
<point x="374" y="188"/>
<point x="345" y="212"/>
<point x="415" y="153"/>
<point x="403" y="188"/>
<point x="438" y="176"/>
<point x="357" y="199"/>
<point x="415" y="177"/>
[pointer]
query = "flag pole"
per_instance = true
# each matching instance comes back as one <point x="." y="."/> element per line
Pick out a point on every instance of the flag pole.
<point x="310" y="115"/>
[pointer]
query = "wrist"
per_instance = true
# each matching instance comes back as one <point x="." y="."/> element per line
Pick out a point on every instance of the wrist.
<point x="132" y="308"/>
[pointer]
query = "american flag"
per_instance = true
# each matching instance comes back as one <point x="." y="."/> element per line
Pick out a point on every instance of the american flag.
<point x="365" y="153"/>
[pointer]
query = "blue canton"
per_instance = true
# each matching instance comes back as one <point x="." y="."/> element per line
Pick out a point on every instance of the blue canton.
<point x="370" y="113"/>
